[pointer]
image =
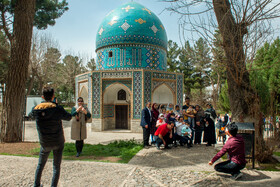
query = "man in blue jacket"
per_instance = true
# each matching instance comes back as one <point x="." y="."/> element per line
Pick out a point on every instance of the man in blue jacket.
<point x="146" y="120"/>
<point x="48" y="117"/>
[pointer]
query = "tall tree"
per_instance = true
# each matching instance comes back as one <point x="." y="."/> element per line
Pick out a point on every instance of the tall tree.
<point x="186" y="67"/>
<point x="91" y="65"/>
<point x="265" y="78"/>
<point x="17" y="20"/>
<point x="173" y="51"/>
<point x="242" y="26"/>
<point x="44" y="56"/>
<point x="70" y="67"/>
<point x="202" y="63"/>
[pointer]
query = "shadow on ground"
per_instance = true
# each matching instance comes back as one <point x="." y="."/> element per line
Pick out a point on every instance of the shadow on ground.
<point x="197" y="156"/>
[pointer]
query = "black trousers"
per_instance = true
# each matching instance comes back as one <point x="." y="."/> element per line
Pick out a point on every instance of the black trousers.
<point x="229" y="167"/>
<point x="166" y="138"/>
<point x="183" y="139"/>
<point x="146" y="136"/>
<point x="79" y="145"/>
<point x="198" y="134"/>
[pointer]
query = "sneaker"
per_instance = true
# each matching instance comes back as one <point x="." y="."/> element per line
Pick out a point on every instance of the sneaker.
<point x="167" y="147"/>
<point x="78" y="154"/>
<point x="158" y="148"/>
<point x="146" y="147"/>
<point x="237" y="176"/>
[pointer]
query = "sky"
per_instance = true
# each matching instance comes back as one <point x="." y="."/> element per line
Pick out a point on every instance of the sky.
<point x="76" y="30"/>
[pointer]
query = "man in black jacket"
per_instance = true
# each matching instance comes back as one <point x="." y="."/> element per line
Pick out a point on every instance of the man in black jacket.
<point x="146" y="120"/>
<point x="48" y="117"/>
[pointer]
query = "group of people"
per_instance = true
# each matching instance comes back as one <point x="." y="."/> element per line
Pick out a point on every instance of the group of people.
<point x="188" y="122"/>
<point x="185" y="125"/>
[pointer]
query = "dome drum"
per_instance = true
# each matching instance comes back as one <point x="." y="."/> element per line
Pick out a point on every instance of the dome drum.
<point x="131" y="57"/>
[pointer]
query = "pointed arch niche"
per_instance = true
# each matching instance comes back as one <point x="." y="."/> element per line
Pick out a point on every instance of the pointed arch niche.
<point x="84" y="94"/>
<point x="163" y="94"/>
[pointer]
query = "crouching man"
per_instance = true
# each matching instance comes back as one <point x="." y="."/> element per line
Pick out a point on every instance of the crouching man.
<point x="48" y="117"/>
<point x="236" y="150"/>
<point x="163" y="135"/>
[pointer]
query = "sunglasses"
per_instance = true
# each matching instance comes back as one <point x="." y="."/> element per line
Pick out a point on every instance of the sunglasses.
<point x="80" y="101"/>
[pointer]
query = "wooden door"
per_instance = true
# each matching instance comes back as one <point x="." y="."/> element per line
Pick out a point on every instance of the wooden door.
<point x="121" y="117"/>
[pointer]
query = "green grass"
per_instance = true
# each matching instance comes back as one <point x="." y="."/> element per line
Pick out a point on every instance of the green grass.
<point x="277" y="153"/>
<point x="68" y="109"/>
<point x="124" y="150"/>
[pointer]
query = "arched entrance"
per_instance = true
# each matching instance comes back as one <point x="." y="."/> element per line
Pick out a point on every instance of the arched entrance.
<point x="116" y="107"/>
<point x="163" y="95"/>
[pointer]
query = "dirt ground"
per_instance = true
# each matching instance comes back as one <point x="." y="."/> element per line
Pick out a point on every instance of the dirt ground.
<point x="18" y="148"/>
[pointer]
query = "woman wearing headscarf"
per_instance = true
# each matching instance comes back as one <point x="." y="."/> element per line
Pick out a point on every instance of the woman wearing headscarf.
<point x="209" y="130"/>
<point x="80" y="115"/>
<point x="199" y="124"/>
<point x="155" y="114"/>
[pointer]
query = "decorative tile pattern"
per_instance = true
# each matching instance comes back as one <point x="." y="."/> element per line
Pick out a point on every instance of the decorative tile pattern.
<point x="147" y="10"/>
<point x="89" y="93"/>
<point x="96" y="86"/>
<point x="76" y="89"/>
<point x="131" y="56"/>
<point x="128" y="8"/>
<point x="137" y="94"/>
<point x="108" y="111"/>
<point x="147" y="86"/>
<point x="153" y="58"/>
<point x="112" y="22"/>
<point x="106" y="83"/>
<point x="140" y="21"/>
<point x="154" y="29"/>
<point x="125" y="26"/>
<point x="82" y="77"/>
<point x="180" y="90"/>
<point x="132" y="39"/>
<point x="101" y="31"/>
<point x="159" y="75"/>
<point x="123" y="74"/>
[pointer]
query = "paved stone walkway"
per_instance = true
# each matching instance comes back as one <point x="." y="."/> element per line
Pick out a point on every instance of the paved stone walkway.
<point x="150" y="167"/>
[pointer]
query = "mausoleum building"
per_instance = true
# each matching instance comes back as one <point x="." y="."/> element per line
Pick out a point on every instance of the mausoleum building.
<point x="131" y="47"/>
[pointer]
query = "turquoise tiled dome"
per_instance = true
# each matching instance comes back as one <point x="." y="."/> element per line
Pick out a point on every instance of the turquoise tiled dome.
<point x="131" y="37"/>
<point x="131" y="23"/>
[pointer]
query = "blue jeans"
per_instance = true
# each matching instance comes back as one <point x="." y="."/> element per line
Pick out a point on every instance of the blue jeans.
<point x="229" y="167"/>
<point x="43" y="157"/>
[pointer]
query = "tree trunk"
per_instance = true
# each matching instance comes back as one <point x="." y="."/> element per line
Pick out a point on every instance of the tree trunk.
<point x="12" y="115"/>
<point x="244" y="103"/>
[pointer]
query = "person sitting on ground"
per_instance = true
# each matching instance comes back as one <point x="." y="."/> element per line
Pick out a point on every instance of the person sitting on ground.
<point x="236" y="150"/>
<point x="160" y="120"/>
<point x="184" y="138"/>
<point x="163" y="135"/>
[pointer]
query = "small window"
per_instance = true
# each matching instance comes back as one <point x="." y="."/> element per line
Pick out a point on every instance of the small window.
<point x="110" y="54"/>
<point x="121" y="95"/>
